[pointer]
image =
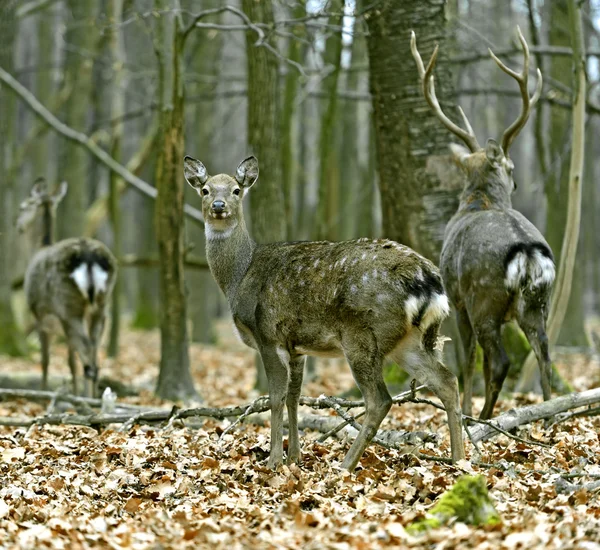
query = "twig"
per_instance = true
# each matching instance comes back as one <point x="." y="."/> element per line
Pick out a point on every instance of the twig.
<point x="566" y="416"/>
<point x="252" y="408"/>
<point x="503" y="432"/>
<point x="532" y="413"/>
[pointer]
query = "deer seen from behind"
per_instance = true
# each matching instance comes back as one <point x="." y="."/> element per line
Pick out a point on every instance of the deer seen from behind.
<point x="362" y="300"/>
<point x="495" y="264"/>
<point x="70" y="281"/>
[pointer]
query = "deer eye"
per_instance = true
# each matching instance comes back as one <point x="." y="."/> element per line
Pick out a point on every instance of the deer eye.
<point x="236" y="191"/>
<point x="205" y="191"/>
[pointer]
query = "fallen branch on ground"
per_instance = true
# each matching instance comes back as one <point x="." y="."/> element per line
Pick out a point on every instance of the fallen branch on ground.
<point x="532" y="413"/>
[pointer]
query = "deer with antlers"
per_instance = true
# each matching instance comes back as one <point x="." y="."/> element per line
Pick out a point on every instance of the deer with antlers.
<point x="496" y="265"/>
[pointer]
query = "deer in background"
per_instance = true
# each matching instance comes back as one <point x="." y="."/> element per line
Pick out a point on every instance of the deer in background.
<point x="364" y="300"/>
<point x="495" y="264"/>
<point x="71" y="281"/>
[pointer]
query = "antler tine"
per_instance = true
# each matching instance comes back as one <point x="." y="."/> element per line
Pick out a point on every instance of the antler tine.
<point x="528" y="103"/>
<point x="427" y="80"/>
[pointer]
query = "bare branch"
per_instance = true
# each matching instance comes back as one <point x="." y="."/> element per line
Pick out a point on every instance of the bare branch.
<point x="87" y="142"/>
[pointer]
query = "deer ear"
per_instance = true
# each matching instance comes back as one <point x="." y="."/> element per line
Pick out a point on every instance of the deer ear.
<point x="459" y="152"/>
<point x="39" y="187"/>
<point x="194" y="171"/>
<point x="493" y="152"/>
<point x="60" y="192"/>
<point x="247" y="172"/>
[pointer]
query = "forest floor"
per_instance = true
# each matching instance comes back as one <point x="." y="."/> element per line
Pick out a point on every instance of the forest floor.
<point x="75" y="487"/>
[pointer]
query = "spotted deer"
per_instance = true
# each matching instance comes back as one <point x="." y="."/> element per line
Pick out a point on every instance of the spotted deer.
<point x="495" y="264"/>
<point x="364" y="300"/>
<point x="70" y="281"/>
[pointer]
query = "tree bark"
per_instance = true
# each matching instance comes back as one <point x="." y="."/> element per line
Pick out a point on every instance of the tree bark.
<point x="81" y="36"/>
<point x="267" y="206"/>
<point x="571" y="332"/>
<point x="11" y="340"/>
<point x="327" y="221"/>
<point x="175" y="379"/>
<point x="288" y="136"/>
<point x="572" y="219"/>
<point x="411" y="142"/>
<point x="116" y="56"/>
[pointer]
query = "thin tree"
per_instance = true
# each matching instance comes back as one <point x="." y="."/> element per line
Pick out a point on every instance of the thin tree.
<point x="11" y="341"/>
<point x="267" y="204"/>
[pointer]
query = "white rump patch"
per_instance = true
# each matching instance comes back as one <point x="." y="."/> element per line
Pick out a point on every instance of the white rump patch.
<point x="82" y="279"/>
<point x="536" y="270"/>
<point x="541" y="270"/>
<point x="99" y="278"/>
<point x="412" y="307"/>
<point x="437" y="310"/>
<point x="516" y="271"/>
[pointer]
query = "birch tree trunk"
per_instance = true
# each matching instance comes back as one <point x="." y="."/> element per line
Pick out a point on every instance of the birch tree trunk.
<point x="411" y="143"/>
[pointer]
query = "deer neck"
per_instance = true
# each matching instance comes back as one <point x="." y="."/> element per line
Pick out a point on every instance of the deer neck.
<point x="47" y="225"/>
<point x="229" y="255"/>
<point x="485" y="195"/>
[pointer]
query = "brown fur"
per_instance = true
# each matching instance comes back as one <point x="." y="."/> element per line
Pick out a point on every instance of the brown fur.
<point x="53" y="295"/>
<point x="364" y="300"/>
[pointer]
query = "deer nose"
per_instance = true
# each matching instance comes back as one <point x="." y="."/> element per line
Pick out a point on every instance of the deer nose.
<point x="218" y="206"/>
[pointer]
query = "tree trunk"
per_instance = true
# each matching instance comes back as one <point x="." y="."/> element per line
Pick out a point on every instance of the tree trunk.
<point x="11" y="341"/>
<point x="204" y="59"/>
<point x="288" y="141"/>
<point x="116" y="55"/>
<point x="267" y="206"/>
<point x="81" y="37"/>
<point x="557" y="188"/>
<point x="175" y="380"/>
<point x="409" y="138"/>
<point x="327" y="222"/>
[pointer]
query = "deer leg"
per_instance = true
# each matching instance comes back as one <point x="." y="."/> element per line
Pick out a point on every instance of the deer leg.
<point x="366" y="365"/>
<point x="78" y="340"/>
<point x="278" y="378"/>
<point x="73" y="367"/>
<point x="292" y="400"/>
<point x="97" y="322"/>
<point x="424" y="365"/>
<point x="45" y="350"/>
<point x="536" y="334"/>
<point x="496" y="366"/>
<point x="469" y="343"/>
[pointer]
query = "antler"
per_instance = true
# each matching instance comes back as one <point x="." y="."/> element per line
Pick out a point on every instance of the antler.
<point x="426" y="75"/>
<point x="528" y="103"/>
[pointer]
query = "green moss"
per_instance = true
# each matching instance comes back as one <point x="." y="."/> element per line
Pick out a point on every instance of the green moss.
<point x="395" y="377"/>
<point x="146" y="317"/>
<point x="467" y="501"/>
<point x="12" y="341"/>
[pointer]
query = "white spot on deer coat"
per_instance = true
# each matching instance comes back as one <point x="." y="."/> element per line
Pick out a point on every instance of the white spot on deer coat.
<point x="82" y="279"/>
<point x="365" y="278"/>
